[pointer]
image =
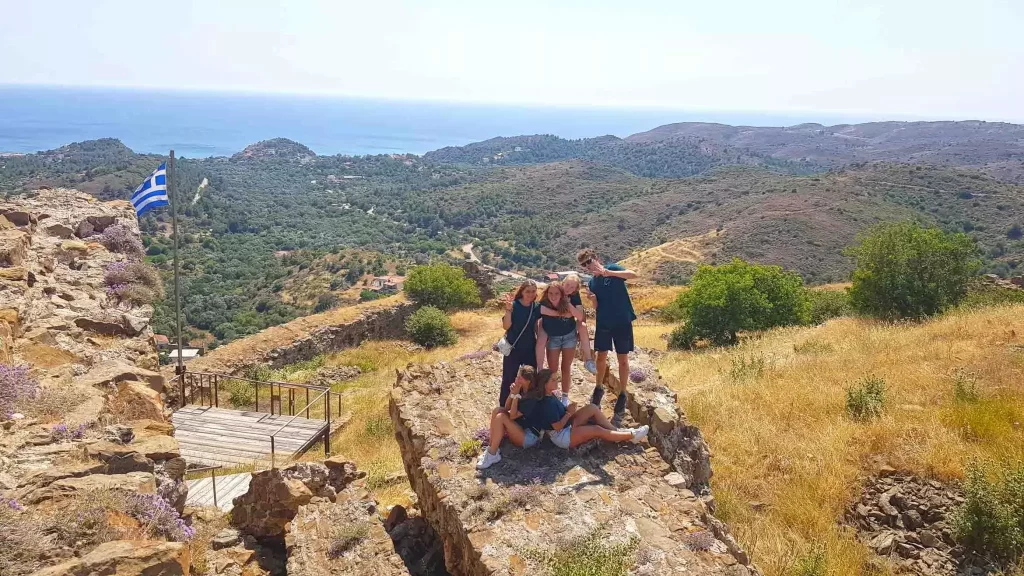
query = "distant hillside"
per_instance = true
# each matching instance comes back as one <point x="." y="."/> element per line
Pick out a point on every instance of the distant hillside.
<point x="276" y="148"/>
<point x="997" y="148"/>
<point x="675" y="158"/>
<point x="540" y="215"/>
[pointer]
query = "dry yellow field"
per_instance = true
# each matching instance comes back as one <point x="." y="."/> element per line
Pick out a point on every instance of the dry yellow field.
<point x="773" y="411"/>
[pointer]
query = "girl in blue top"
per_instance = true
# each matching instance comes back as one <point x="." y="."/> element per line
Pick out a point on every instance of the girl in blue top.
<point x="559" y="318"/>
<point x="521" y="315"/>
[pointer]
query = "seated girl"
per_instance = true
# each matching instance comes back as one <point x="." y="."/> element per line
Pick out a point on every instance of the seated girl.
<point x="571" y="289"/>
<point x="510" y="420"/>
<point x="568" y="427"/>
<point x="558" y="320"/>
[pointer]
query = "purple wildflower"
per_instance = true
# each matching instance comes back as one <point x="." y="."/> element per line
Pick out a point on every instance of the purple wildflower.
<point x="699" y="540"/>
<point x="12" y="504"/>
<point x="159" y="517"/>
<point x="61" y="432"/>
<point x="638" y="375"/>
<point x="15" y="384"/>
<point x="118" y="238"/>
<point x="483" y="435"/>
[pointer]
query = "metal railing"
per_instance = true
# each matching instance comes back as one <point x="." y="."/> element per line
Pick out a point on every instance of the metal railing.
<point x="327" y="429"/>
<point x="203" y="388"/>
<point x="213" y="478"/>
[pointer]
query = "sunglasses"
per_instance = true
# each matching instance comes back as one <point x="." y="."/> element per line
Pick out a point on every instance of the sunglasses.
<point x="586" y="263"/>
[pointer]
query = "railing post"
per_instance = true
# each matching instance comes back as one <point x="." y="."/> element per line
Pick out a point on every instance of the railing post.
<point x="216" y="390"/>
<point x="181" y="388"/>
<point x="291" y="401"/>
<point x="307" y="403"/>
<point x="213" y="480"/>
<point x="272" y="463"/>
<point x="327" y="432"/>
<point x="257" y="385"/>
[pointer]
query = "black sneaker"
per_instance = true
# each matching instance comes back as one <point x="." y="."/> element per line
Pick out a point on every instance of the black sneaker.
<point x="597" y="396"/>
<point x="620" y="410"/>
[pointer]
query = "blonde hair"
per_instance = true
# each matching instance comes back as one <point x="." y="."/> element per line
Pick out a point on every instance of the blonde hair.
<point x="563" y="302"/>
<point x="573" y="277"/>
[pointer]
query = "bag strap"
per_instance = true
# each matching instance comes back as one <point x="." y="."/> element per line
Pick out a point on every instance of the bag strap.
<point x="521" y="332"/>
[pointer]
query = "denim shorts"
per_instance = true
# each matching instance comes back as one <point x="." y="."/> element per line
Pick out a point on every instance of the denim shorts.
<point x="530" y="438"/>
<point x="562" y="342"/>
<point x="561" y="438"/>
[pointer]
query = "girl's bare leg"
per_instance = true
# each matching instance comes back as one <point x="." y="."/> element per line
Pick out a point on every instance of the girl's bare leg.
<point x="583" y="434"/>
<point x="567" y="356"/>
<point x="501" y="426"/>
<point x="542" y="344"/>
<point x="584" y="415"/>
<point x="552" y="356"/>
<point x="584" y="335"/>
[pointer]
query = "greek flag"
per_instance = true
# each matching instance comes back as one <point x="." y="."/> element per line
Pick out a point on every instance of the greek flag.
<point x="152" y="193"/>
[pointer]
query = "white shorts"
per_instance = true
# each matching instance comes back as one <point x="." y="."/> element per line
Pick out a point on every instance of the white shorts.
<point x="561" y="438"/>
<point x="530" y="438"/>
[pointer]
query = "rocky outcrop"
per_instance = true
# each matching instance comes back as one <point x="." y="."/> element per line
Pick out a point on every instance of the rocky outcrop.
<point x="648" y="505"/>
<point x="908" y="519"/>
<point x="128" y="558"/>
<point x="310" y="336"/>
<point x="482" y="276"/>
<point x="275" y="495"/>
<point x="342" y="537"/>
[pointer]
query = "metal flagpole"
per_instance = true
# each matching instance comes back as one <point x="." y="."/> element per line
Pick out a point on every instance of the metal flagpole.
<point x="171" y="193"/>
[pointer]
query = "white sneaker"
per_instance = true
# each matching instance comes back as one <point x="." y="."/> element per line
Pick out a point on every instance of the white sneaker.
<point x="486" y="460"/>
<point x="565" y="400"/>
<point x="640" y="433"/>
<point x="591" y="366"/>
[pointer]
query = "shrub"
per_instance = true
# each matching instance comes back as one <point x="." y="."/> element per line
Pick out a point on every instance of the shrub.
<point x="442" y="286"/>
<point x="15" y="385"/>
<point x="470" y="448"/>
<point x="744" y="369"/>
<point x="723" y="300"/>
<point x="118" y="238"/>
<point x="133" y="282"/>
<point x="866" y="400"/>
<point x="828" y="304"/>
<point x="680" y="338"/>
<point x="589" y="555"/>
<point x="240" y="393"/>
<point x="157" y="517"/>
<point x="53" y="400"/>
<point x="991" y="520"/>
<point x="814" y="562"/>
<point x="62" y="433"/>
<point x="906" y="271"/>
<point x="325" y="302"/>
<point x="981" y="294"/>
<point x="965" y="386"/>
<point x="380" y="427"/>
<point x="369" y="295"/>
<point x="347" y="536"/>
<point x="430" y="327"/>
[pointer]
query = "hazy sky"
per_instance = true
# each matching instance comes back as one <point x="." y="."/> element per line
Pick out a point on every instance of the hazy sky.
<point x="954" y="59"/>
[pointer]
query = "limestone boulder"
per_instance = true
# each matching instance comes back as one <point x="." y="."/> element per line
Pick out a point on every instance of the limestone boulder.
<point x="342" y="537"/>
<point x="128" y="558"/>
<point x="144" y="401"/>
<point x="13" y="247"/>
<point x="142" y="482"/>
<point x="275" y="495"/>
<point x="111" y="373"/>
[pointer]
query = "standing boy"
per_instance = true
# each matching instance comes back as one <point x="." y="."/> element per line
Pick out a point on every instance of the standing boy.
<point x="614" y="330"/>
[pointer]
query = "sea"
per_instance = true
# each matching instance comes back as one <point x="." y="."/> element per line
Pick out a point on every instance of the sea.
<point x="203" y="124"/>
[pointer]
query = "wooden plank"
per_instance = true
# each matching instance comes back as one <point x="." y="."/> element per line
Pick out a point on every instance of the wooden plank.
<point x="260" y="427"/>
<point x="244" y="439"/>
<point x="220" y="413"/>
<point x="215" y="459"/>
<point x="252" y="434"/>
<point x="213" y="441"/>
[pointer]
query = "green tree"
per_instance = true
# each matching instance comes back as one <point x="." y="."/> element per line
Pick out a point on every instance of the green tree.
<point x="904" y="270"/>
<point x="325" y="302"/>
<point x="442" y="286"/>
<point x="430" y="327"/>
<point x="726" y="299"/>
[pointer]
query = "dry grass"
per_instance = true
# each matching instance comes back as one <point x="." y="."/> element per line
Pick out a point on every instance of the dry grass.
<point x="368" y="437"/>
<point x="782" y="437"/>
<point x="650" y="298"/>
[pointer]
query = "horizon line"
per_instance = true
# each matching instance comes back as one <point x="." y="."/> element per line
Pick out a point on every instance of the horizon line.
<point x="854" y="116"/>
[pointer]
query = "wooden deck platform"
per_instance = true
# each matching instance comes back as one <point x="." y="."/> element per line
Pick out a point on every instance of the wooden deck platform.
<point x="200" y="491"/>
<point x="217" y="436"/>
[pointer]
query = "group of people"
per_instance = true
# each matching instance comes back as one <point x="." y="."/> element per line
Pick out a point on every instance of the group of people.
<point x="547" y="327"/>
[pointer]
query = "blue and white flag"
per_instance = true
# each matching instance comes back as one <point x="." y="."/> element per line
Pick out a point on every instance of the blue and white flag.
<point x="152" y="193"/>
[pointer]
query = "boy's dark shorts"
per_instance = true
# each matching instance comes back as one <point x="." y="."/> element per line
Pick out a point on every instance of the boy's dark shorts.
<point x="620" y="335"/>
